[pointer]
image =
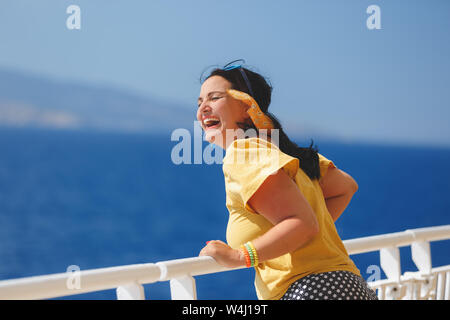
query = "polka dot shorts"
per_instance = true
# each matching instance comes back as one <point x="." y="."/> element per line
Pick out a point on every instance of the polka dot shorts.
<point x="334" y="285"/>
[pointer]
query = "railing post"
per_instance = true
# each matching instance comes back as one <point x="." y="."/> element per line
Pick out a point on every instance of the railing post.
<point x="440" y="290"/>
<point x="421" y="255"/>
<point x="390" y="263"/>
<point x="428" y="288"/>
<point x="132" y="291"/>
<point x="183" y="288"/>
<point x="447" y="286"/>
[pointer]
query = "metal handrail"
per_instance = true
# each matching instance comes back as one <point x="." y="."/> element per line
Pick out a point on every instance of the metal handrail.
<point x="129" y="279"/>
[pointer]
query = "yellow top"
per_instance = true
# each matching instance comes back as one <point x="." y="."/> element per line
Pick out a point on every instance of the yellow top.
<point x="247" y="163"/>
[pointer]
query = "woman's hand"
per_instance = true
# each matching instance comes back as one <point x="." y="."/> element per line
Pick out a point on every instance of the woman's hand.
<point x="223" y="254"/>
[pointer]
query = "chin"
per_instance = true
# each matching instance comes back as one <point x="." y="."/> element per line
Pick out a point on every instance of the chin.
<point x="214" y="137"/>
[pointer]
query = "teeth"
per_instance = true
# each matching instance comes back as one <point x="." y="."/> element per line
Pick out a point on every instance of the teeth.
<point x="206" y="121"/>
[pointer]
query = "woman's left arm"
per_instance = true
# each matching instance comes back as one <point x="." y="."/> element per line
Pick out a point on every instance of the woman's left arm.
<point x="338" y="188"/>
<point x="281" y="202"/>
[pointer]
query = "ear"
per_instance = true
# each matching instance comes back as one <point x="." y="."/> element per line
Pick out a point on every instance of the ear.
<point x="244" y="110"/>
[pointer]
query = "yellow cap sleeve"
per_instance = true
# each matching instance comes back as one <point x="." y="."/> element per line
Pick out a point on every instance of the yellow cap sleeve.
<point x="249" y="162"/>
<point x="324" y="164"/>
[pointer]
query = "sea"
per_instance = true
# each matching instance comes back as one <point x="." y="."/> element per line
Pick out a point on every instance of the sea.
<point x="103" y="199"/>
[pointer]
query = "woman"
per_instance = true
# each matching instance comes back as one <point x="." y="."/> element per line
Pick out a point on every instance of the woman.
<point x="282" y="206"/>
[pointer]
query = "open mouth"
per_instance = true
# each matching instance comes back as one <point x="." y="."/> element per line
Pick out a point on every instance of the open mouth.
<point x="211" y="123"/>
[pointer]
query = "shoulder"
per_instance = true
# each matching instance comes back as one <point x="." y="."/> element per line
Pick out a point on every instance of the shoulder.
<point x="247" y="151"/>
<point x="325" y="164"/>
<point x="248" y="144"/>
<point x="256" y="157"/>
<point x="252" y="151"/>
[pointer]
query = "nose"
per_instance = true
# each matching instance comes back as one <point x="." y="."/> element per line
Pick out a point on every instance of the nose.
<point x="204" y="108"/>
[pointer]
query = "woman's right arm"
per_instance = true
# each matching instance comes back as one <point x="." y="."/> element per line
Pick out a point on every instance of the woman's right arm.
<point x="338" y="189"/>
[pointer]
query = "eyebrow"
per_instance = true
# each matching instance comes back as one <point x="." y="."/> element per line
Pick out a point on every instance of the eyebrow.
<point x="209" y="94"/>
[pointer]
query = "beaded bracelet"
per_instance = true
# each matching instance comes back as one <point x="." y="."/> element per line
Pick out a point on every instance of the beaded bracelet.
<point x="255" y="254"/>
<point x="251" y="256"/>
<point x="250" y="251"/>
<point x="248" y="262"/>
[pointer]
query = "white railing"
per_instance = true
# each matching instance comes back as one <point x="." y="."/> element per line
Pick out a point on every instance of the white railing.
<point x="426" y="283"/>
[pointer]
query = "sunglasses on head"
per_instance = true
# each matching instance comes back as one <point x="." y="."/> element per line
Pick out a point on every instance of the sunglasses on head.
<point x="232" y="65"/>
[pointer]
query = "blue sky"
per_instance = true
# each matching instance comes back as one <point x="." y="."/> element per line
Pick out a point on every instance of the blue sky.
<point x="329" y="71"/>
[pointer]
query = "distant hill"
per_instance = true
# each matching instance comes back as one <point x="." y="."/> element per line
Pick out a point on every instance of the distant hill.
<point x="33" y="101"/>
<point x="29" y="100"/>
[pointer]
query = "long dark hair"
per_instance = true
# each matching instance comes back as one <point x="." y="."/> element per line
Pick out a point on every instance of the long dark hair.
<point x="262" y="92"/>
